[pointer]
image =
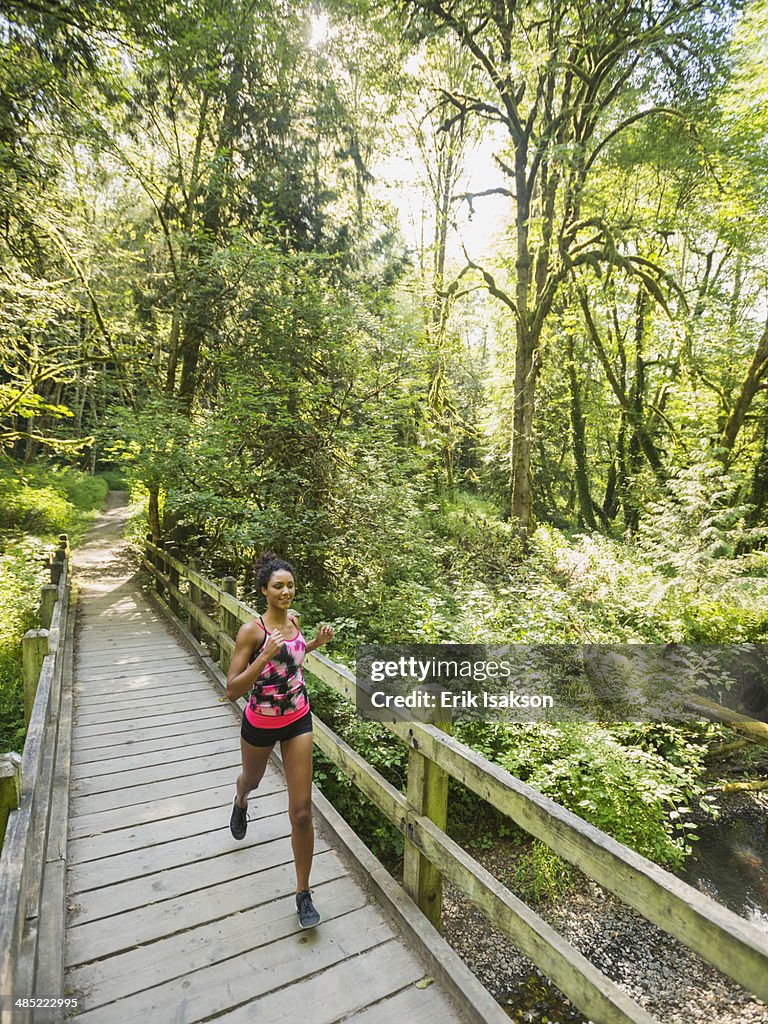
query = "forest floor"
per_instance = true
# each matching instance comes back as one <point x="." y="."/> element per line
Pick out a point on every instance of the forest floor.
<point x="663" y="975"/>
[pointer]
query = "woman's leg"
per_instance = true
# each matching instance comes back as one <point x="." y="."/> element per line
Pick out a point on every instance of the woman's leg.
<point x="254" y="765"/>
<point x="297" y="765"/>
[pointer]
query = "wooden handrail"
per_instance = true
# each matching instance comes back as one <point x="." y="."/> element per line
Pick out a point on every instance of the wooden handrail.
<point x="25" y="846"/>
<point x="729" y="942"/>
<point x="581" y="981"/>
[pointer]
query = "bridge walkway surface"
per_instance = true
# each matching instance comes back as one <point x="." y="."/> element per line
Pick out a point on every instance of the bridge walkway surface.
<point x="169" y="919"/>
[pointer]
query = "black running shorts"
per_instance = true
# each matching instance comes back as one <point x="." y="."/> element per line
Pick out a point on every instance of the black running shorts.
<point x="259" y="737"/>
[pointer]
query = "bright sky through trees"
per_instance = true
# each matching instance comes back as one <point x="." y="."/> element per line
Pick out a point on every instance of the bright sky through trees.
<point x="320" y="29"/>
<point x="400" y="180"/>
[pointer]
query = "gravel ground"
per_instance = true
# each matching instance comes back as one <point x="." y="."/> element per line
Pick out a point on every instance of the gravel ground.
<point x="666" y="978"/>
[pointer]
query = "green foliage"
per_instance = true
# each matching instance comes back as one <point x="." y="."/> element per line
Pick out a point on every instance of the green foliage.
<point x="636" y="782"/>
<point x="48" y="500"/>
<point x="12" y="730"/>
<point x="44" y="502"/>
<point x="631" y="793"/>
<point x="590" y="588"/>
<point x="83" y="490"/>
<point x="701" y="524"/>
<point x="381" y="749"/>
<point x="540" y="873"/>
<point x="21" y="576"/>
<point x="695" y="538"/>
<point x="115" y="479"/>
<point x="480" y="537"/>
<point x="38" y="510"/>
<point x="149" y="444"/>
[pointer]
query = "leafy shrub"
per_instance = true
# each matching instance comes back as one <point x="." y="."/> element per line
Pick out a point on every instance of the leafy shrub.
<point x="81" y="489"/>
<point x="614" y="593"/>
<point x="45" y="502"/>
<point x="631" y="792"/>
<point x="37" y="510"/>
<point x="48" y="500"/>
<point x="480" y="537"/>
<point x="636" y="781"/>
<point x="715" y="620"/>
<point x="540" y="873"/>
<point x="11" y="701"/>
<point x="21" y="576"/>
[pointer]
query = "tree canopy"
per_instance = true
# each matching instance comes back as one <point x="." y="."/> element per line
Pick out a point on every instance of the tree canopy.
<point x="204" y="278"/>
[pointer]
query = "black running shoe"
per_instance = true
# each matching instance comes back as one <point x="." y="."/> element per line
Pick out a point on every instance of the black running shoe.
<point x="238" y="823"/>
<point x="305" y="908"/>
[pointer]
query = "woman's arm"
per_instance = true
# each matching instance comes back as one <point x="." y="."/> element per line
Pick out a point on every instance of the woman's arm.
<point x="323" y="635"/>
<point x="241" y="676"/>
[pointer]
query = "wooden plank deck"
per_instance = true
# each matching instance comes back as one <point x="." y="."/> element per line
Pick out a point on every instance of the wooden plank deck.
<point x="170" y="920"/>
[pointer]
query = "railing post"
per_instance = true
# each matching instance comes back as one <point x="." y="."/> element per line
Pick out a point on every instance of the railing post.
<point x="160" y="566"/>
<point x="48" y="595"/>
<point x="427" y="793"/>
<point x="34" y="647"/>
<point x="149" y="554"/>
<point x="10" y="788"/>
<point x="229" y="621"/>
<point x="196" y="598"/>
<point x="56" y="566"/>
<point x="173" y="576"/>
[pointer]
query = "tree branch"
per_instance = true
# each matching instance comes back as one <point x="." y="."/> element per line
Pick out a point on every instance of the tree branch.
<point x="467" y="197"/>
<point x="490" y="283"/>
<point x="669" y="111"/>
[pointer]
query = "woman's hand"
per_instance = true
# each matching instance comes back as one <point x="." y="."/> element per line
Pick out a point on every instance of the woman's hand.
<point x="274" y="643"/>
<point x="242" y="671"/>
<point x="323" y="635"/>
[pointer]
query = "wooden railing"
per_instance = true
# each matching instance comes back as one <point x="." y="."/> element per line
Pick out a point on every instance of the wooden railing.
<point x="33" y="860"/>
<point x="727" y="941"/>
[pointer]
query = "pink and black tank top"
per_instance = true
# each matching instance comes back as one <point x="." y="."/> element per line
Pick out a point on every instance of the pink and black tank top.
<point x="279" y="696"/>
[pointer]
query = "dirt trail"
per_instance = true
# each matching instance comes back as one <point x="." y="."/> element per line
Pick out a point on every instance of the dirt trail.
<point x="104" y="559"/>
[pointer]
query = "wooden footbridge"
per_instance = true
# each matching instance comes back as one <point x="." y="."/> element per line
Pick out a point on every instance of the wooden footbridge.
<point x="124" y="897"/>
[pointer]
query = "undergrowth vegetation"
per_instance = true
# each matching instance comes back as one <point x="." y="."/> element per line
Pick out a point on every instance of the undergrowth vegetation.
<point x="643" y="783"/>
<point x="36" y="505"/>
<point x="455" y="572"/>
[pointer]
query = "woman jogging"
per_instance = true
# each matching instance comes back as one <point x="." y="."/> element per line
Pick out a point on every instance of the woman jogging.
<point x="267" y="662"/>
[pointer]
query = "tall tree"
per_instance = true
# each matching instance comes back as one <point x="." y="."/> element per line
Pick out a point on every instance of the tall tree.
<point x="50" y="324"/>
<point x="565" y="78"/>
<point x="442" y="150"/>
